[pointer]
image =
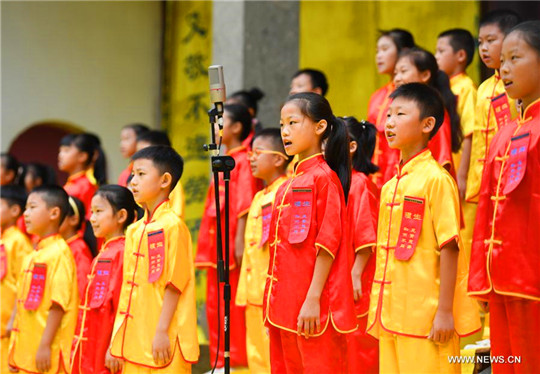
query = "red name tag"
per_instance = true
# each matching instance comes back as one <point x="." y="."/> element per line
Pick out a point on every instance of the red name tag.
<point x="501" y="109"/>
<point x="156" y="254"/>
<point x="301" y="214"/>
<point x="266" y="213"/>
<point x="37" y="287"/>
<point x="100" y="283"/>
<point x="517" y="162"/>
<point x="3" y="262"/>
<point x="411" y="225"/>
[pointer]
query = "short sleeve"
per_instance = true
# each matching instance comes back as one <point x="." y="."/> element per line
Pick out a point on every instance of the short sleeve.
<point x="329" y="222"/>
<point x="364" y="227"/>
<point x="179" y="261"/>
<point x="62" y="280"/>
<point x="445" y="209"/>
<point x="467" y="104"/>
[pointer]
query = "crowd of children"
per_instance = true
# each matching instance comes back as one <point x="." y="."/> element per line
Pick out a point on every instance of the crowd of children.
<point x="355" y="246"/>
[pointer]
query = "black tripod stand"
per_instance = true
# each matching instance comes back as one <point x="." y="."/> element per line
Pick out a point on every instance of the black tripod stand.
<point x="221" y="164"/>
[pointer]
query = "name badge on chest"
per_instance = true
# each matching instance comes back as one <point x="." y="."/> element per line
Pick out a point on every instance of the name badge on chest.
<point x="37" y="287"/>
<point x="301" y="210"/>
<point x="501" y="109"/>
<point x="101" y="282"/>
<point x="517" y="162"/>
<point x="266" y="215"/>
<point x="3" y="261"/>
<point x="411" y="226"/>
<point x="156" y="254"/>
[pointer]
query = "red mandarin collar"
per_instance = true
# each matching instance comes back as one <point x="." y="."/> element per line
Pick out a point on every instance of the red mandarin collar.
<point x="532" y="111"/>
<point x="308" y="163"/>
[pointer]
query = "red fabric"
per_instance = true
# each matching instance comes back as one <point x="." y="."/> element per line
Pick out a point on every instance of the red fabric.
<point x="79" y="186"/>
<point x="362" y="211"/>
<point x="83" y="261"/>
<point x="363" y="350"/>
<point x="505" y="258"/>
<point x="88" y="356"/>
<point x="242" y="188"/>
<point x="124" y="175"/>
<point x="247" y="141"/>
<point x="441" y="146"/>
<point x="291" y="353"/>
<point x="515" y="331"/>
<point x="291" y="265"/>
<point x="238" y="320"/>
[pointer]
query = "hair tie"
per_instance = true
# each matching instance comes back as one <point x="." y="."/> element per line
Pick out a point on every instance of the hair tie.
<point x="74" y="207"/>
<point x="363" y="123"/>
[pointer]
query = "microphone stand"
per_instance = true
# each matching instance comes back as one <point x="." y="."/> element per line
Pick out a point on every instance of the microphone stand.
<point x="221" y="164"/>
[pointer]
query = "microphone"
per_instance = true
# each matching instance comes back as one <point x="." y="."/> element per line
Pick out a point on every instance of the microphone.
<point x="217" y="87"/>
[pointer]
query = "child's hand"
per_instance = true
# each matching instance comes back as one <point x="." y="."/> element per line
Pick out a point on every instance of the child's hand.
<point x="357" y="284"/>
<point x="112" y="363"/>
<point x="43" y="358"/>
<point x="12" y="369"/>
<point x="462" y="185"/>
<point x="443" y="327"/>
<point x="484" y="305"/>
<point x="161" y="348"/>
<point x="309" y="321"/>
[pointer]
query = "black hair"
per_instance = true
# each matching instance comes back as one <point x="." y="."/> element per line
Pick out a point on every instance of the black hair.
<point x="428" y="100"/>
<point x="120" y="198"/>
<point x="530" y="32"/>
<point x="425" y="61"/>
<point x="504" y="19"/>
<point x="402" y="39"/>
<point x="364" y="133"/>
<point x="138" y="128"/>
<point x="317" y="77"/>
<point x="165" y="159"/>
<point x="154" y="137"/>
<point x="54" y="196"/>
<point x="11" y="163"/>
<point x="248" y="98"/>
<point x="14" y="195"/>
<point x="240" y="113"/>
<point x="336" y="152"/>
<point x="91" y="145"/>
<point x="80" y="210"/>
<point x="274" y="135"/>
<point x="460" y="39"/>
<point x="39" y="171"/>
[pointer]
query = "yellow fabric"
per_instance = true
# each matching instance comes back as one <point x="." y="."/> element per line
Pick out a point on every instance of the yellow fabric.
<point x="411" y="288"/>
<point x="255" y="260"/>
<point x="469" y="216"/>
<point x="60" y="288"/>
<point x="177" y="366"/>
<point x="178" y="200"/>
<point x="465" y="90"/>
<point x="17" y="246"/>
<point x="257" y="341"/>
<point x="141" y="302"/>
<point x="4" y="367"/>
<point x="485" y="123"/>
<point x="326" y="48"/>
<point x="468" y="366"/>
<point x="404" y="355"/>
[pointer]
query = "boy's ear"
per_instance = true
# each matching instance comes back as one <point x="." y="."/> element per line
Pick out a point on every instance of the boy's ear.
<point x="54" y="214"/>
<point x="15" y="210"/>
<point x="321" y="126"/>
<point x="461" y="56"/>
<point x="428" y="124"/>
<point x="166" y="180"/>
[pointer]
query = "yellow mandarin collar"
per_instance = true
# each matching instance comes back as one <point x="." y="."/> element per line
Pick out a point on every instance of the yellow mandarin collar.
<point x="307" y="163"/>
<point x="48" y="240"/>
<point x="532" y="111"/>
<point x="275" y="184"/>
<point x="420" y="157"/>
<point x="235" y="150"/>
<point x="163" y="206"/>
<point x="111" y="240"/>
<point x="8" y="231"/>
<point x="457" y="77"/>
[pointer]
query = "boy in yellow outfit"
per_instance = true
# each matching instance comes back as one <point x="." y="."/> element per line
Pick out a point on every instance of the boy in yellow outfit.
<point x="47" y="291"/>
<point x="14" y="246"/>
<point x="419" y="307"/>
<point x="269" y="163"/>
<point x="494" y="108"/>
<point x="155" y="327"/>
<point x="455" y="51"/>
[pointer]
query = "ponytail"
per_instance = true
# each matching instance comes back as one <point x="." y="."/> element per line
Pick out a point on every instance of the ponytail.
<point x="365" y="135"/>
<point x="91" y="145"/>
<point x="336" y="153"/>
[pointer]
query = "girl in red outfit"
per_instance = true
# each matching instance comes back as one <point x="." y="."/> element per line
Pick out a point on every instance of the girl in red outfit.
<point x="308" y="301"/>
<point x="362" y="209"/>
<point x="113" y="209"/>
<point x="390" y="44"/>
<point x="70" y="230"/>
